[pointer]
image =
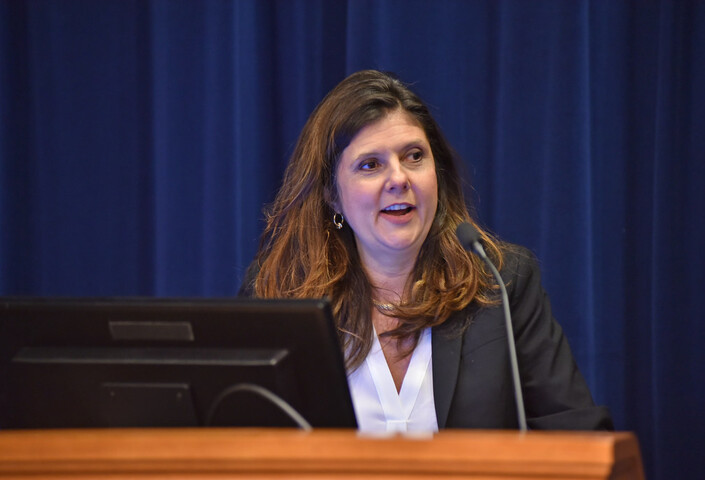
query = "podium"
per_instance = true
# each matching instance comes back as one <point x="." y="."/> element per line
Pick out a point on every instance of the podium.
<point x="321" y="454"/>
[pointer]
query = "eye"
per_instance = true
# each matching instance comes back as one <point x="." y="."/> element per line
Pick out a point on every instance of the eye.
<point x="369" y="164"/>
<point x="415" y="155"/>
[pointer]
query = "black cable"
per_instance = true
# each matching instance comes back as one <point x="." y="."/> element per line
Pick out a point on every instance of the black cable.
<point x="275" y="399"/>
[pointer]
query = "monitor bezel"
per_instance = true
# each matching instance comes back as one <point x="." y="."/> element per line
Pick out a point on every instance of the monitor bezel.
<point x="305" y="365"/>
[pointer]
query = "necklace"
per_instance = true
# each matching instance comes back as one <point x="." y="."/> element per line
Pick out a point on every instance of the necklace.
<point x="383" y="307"/>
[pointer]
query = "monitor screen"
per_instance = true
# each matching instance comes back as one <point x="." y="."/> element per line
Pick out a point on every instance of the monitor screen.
<point x="150" y="362"/>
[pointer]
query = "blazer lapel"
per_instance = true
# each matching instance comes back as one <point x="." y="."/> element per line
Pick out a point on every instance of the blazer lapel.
<point x="446" y="343"/>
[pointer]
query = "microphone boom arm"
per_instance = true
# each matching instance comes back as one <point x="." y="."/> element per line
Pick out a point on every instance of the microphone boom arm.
<point x="469" y="238"/>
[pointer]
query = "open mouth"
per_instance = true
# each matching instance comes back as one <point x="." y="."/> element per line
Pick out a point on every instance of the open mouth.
<point x="398" y="210"/>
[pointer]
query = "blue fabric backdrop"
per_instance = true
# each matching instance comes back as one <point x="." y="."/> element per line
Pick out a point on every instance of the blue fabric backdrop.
<point x="140" y="139"/>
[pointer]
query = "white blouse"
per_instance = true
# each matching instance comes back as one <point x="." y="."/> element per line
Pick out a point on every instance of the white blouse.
<point x="378" y="406"/>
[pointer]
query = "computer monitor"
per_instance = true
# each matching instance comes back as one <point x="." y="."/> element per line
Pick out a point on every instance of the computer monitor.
<point x="140" y="362"/>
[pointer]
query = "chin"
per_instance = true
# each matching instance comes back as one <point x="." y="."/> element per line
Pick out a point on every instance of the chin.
<point x="401" y="244"/>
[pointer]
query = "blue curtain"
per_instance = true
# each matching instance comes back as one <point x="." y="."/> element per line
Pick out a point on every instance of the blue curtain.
<point x="140" y="139"/>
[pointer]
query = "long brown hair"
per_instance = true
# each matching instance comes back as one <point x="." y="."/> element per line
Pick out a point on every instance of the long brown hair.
<point x="302" y="254"/>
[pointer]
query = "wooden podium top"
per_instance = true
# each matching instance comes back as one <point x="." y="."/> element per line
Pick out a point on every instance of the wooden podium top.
<point x="320" y="454"/>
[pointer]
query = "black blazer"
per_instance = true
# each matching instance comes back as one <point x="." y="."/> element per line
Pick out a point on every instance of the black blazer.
<point x="472" y="382"/>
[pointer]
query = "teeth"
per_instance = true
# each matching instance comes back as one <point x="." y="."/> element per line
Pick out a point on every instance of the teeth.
<point x="397" y="207"/>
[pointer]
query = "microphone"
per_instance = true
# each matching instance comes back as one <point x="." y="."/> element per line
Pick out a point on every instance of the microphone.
<point x="470" y="240"/>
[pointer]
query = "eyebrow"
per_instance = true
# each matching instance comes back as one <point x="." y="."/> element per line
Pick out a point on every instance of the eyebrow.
<point x="374" y="153"/>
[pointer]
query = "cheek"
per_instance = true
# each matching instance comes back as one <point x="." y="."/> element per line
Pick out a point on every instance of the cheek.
<point x="430" y="191"/>
<point x="350" y="197"/>
<point x="356" y="194"/>
<point x="359" y="206"/>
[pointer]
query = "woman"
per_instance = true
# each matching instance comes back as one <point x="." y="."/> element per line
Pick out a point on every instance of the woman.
<point x="366" y="216"/>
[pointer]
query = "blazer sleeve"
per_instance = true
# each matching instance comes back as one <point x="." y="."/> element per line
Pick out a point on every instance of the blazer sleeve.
<point x="556" y="395"/>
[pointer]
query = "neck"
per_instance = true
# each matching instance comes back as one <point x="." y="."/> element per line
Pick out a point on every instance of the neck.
<point x="388" y="276"/>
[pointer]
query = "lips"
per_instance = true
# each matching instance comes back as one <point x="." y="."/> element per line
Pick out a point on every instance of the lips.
<point x="398" y="209"/>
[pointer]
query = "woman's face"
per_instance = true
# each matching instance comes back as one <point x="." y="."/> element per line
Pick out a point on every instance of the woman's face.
<point x="387" y="187"/>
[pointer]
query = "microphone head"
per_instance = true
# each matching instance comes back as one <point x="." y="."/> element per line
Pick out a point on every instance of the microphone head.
<point x="468" y="235"/>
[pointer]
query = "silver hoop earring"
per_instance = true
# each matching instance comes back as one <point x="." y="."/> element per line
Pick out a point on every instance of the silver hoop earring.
<point x="338" y="220"/>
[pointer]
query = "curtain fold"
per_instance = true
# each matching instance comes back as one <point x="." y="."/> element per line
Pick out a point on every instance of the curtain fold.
<point x="140" y="141"/>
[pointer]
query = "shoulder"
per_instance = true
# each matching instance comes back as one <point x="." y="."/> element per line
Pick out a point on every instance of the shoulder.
<point x="521" y="273"/>
<point x="518" y="262"/>
<point x="519" y="269"/>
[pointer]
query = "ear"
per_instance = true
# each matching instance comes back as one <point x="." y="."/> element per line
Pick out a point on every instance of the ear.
<point x="331" y="199"/>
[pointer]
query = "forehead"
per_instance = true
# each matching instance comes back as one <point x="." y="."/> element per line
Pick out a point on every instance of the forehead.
<point x="394" y="130"/>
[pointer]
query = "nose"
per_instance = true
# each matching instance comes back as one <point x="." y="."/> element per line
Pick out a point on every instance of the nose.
<point x="398" y="177"/>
